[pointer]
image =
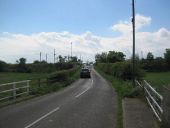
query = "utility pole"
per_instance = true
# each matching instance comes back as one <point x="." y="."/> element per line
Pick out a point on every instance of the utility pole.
<point x="54" y="56"/>
<point x="141" y="55"/>
<point x="133" y="25"/>
<point x="80" y="57"/>
<point x="40" y="56"/>
<point x="46" y="57"/>
<point x="71" y="49"/>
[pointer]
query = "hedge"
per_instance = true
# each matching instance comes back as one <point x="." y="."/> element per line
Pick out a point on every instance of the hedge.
<point x="62" y="76"/>
<point x="121" y="70"/>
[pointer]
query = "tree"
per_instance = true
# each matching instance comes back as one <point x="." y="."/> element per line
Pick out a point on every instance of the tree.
<point x="74" y="59"/>
<point x="22" y="62"/>
<point x="113" y="57"/>
<point x="101" y="58"/>
<point x="61" y="59"/>
<point x="150" y="56"/>
<point x="36" y="62"/>
<point x="97" y="57"/>
<point x="159" y="59"/>
<point x="167" y="56"/>
<point x="22" y="65"/>
<point x="3" y="66"/>
<point x="110" y="57"/>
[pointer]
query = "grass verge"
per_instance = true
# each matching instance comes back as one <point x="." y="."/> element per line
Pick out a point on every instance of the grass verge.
<point x="122" y="88"/>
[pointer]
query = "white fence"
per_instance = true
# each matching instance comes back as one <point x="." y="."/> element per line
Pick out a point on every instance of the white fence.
<point x="14" y="89"/>
<point x="153" y="98"/>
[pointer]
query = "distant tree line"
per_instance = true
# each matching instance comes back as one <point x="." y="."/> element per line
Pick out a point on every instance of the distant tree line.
<point x="150" y="63"/>
<point x="110" y="57"/>
<point x="154" y="64"/>
<point x="114" y="63"/>
<point x="40" y="66"/>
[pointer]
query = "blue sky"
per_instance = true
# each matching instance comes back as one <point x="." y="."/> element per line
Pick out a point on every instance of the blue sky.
<point x="77" y="16"/>
<point x="92" y="25"/>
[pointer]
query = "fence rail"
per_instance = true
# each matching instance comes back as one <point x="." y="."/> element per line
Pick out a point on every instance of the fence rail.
<point x="5" y="89"/>
<point x="153" y="98"/>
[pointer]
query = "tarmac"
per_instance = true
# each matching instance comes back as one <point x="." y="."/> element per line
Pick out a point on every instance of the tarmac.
<point x="137" y="114"/>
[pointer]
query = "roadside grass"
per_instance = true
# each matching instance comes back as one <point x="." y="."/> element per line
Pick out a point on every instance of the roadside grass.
<point x="158" y="80"/>
<point x="7" y="77"/>
<point x="123" y="88"/>
<point x="38" y="86"/>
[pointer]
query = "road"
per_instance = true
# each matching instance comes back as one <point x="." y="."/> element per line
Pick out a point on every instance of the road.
<point x="87" y="103"/>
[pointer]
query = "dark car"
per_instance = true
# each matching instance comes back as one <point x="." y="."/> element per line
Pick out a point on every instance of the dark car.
<point x="85" y="73"/>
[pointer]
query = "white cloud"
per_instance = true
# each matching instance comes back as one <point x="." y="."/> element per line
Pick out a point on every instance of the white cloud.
<point x="14" y="46"/>
<point x="125" y="27"/>
<point x="19" y="45"/>
<point x="142" y="21"/>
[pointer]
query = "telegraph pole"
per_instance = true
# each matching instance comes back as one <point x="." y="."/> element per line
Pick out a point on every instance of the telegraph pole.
<point x="133" y="25"/>
<point x="46" y="57"/>
<point x="71" y="49"/>
<point x="141" y="55"/>
<point x="40" y="56"/>
<point x="54" y="56"/>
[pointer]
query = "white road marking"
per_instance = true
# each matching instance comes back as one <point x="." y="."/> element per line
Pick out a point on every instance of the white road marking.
<point x="54" y="110"/>
<point x="85" y="90"/>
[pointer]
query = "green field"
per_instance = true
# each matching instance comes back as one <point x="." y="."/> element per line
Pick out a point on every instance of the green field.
<point x="158" y="80"/>
<point x="6" y="77"/>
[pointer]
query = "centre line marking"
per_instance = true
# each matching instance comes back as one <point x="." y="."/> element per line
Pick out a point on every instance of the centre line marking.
<point x="91" y="82"/>
<point x="85" y="90"/>
<point x="82" y="92"/>
<point x="54" y="110"/>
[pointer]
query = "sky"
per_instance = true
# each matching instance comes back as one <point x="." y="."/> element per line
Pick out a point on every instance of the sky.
<point x="28" y="27"/>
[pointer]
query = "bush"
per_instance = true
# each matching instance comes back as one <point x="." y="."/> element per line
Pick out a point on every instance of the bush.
<point x="3" y="66"/>
<point x="155" y="66"/>
<point x="62" y="76"/>
<point x="122" y="70"/>
<point x="49" y="67"/>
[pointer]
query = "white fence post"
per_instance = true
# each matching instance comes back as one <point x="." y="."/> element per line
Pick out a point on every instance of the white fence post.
<point x="154" y="99"/>
<point x="14" y="91"/>
<point x="28" y="86"/>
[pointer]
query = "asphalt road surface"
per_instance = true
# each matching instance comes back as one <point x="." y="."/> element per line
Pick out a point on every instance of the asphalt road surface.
<point x="87" y="103"/>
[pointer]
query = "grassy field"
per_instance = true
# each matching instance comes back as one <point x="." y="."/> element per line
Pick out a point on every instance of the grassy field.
<point x="6" y="77"/>
<point x="158" y="80"/>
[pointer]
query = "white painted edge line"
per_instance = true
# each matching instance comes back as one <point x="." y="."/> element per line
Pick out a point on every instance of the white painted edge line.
<point x="36" y="121"/>
<point x="85" y="90"/>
